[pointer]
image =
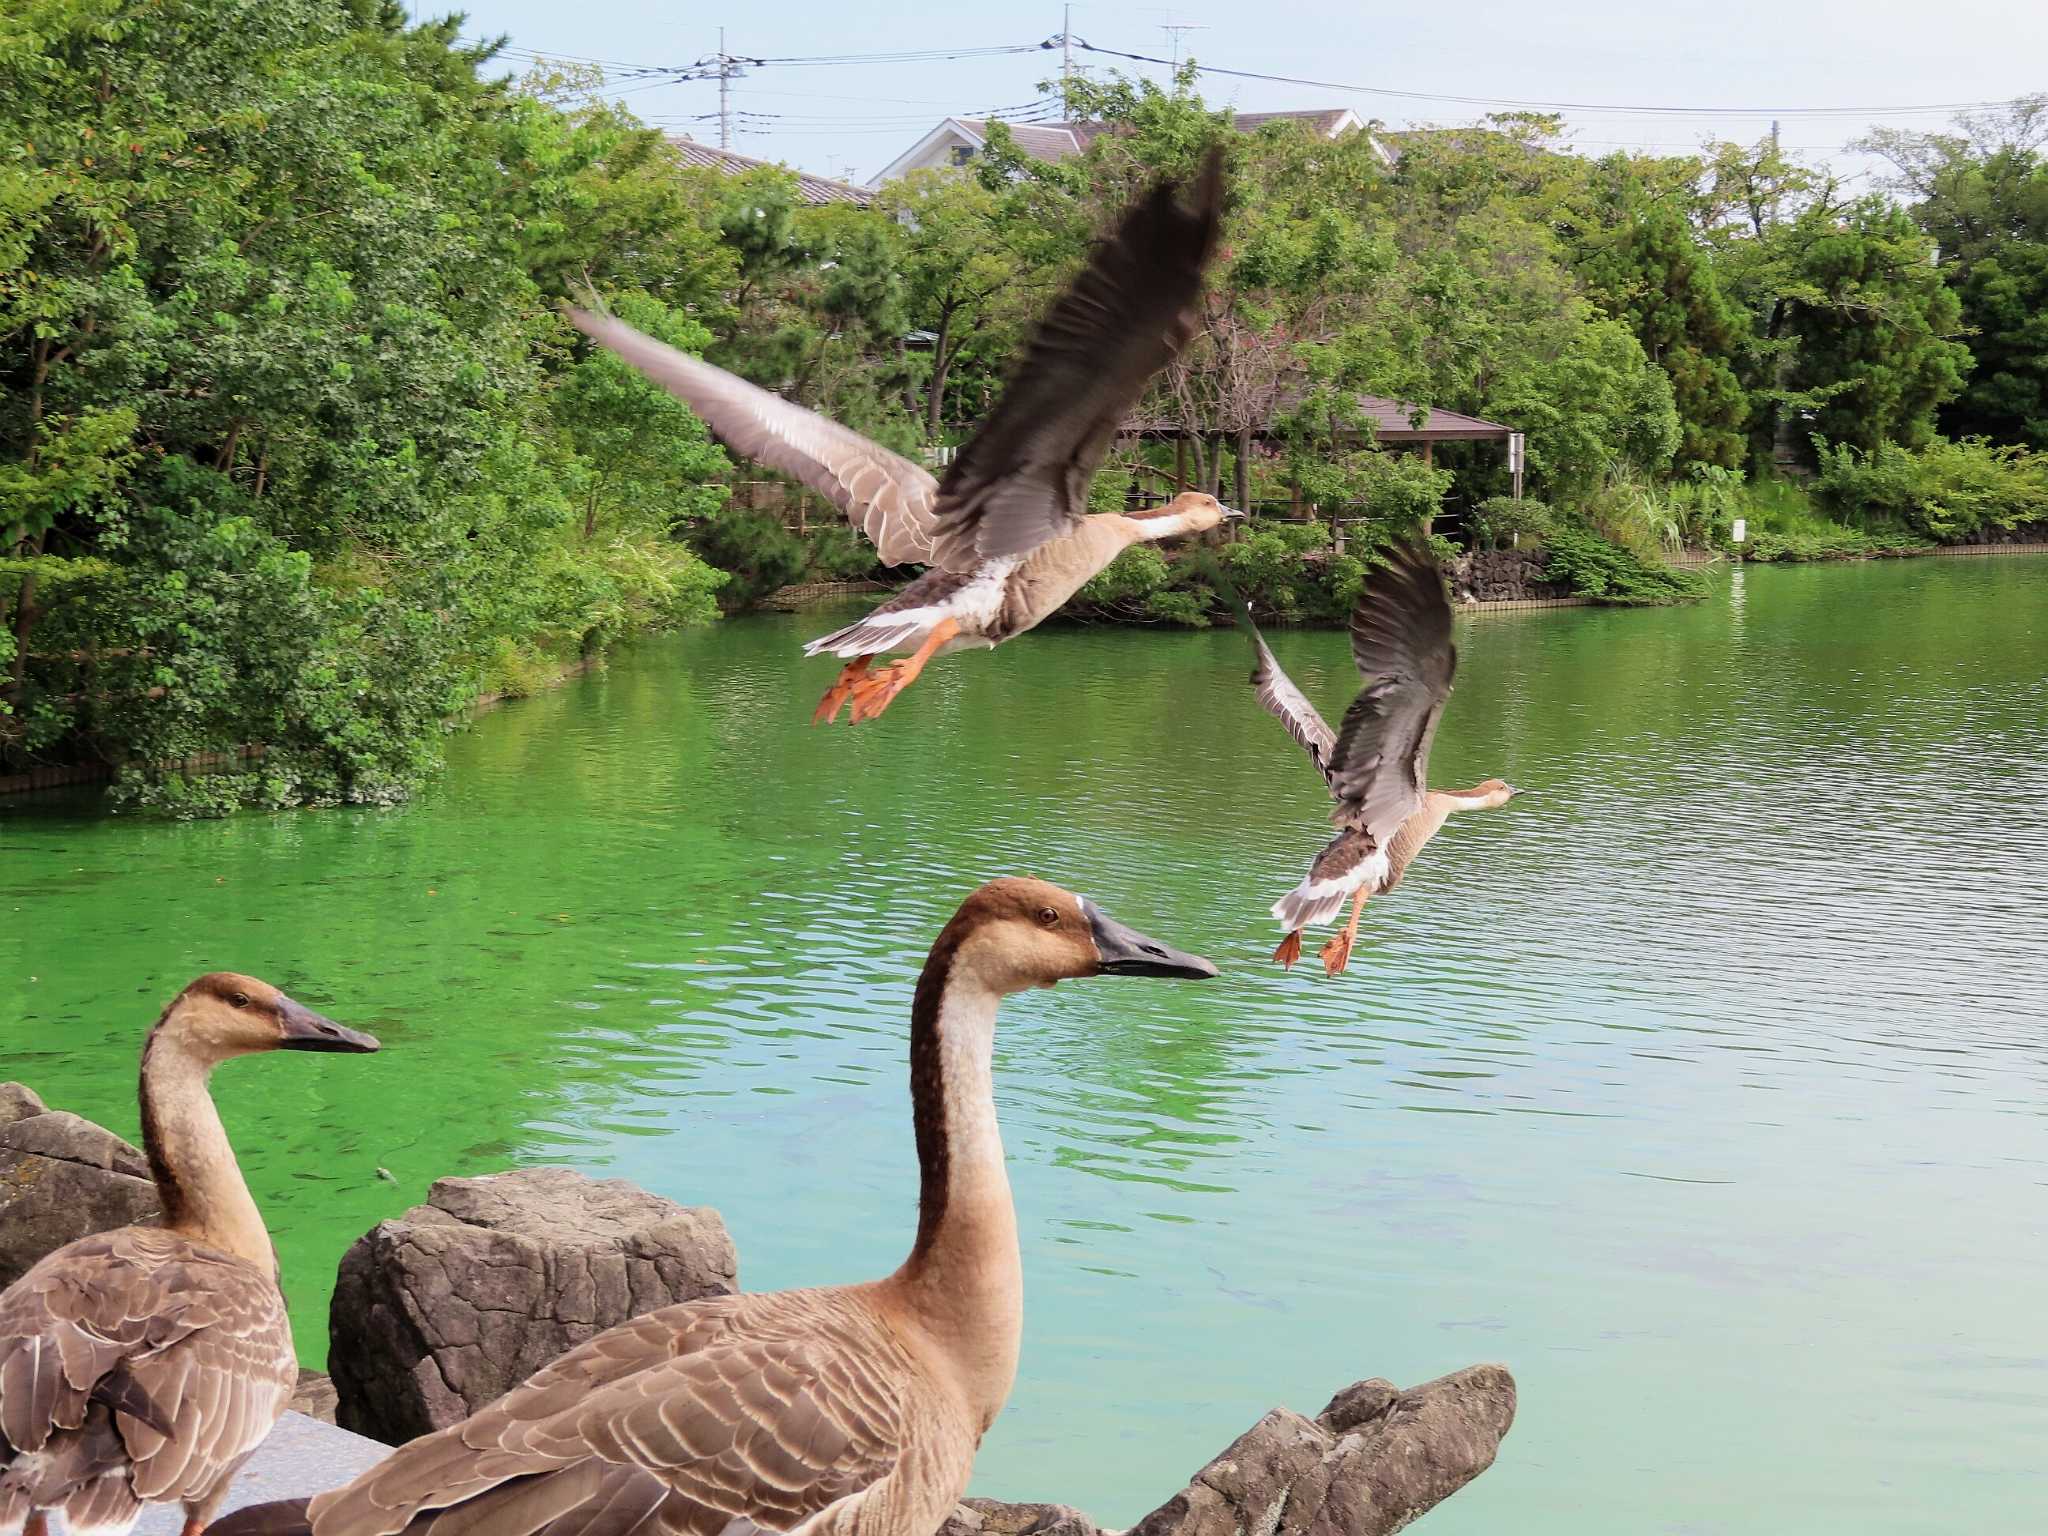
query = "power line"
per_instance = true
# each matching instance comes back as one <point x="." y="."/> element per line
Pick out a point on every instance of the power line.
<point x="1543" y="106"/>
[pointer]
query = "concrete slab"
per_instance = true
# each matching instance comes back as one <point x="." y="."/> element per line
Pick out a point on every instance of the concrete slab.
<point x="302" y="1456"/>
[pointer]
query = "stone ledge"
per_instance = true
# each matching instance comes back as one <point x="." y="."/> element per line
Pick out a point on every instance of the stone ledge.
<point x="302" y="1456"/>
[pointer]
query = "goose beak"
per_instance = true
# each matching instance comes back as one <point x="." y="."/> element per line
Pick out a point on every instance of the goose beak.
<point x="1124" y="951"/>
<point x="305" y="1030"/>
<point x="1232" y="515"/>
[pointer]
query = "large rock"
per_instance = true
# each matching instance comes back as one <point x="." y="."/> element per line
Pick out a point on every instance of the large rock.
<point x="1371" y="1462"/>
<point x="445" y="1309"/>
<point x="62" y="1178"/>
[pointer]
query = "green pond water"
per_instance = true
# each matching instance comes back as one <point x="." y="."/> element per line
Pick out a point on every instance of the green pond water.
<point x="1704" y="1086"/>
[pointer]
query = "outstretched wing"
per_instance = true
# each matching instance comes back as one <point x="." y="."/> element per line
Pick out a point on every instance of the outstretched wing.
<point x="188" y="1349"/>
<point x="763" y="1425"/>
<point x="1023" y="479"/>
<point x="1401" y="641"/>
<point x="1276" y="690"/>
<point x="883" y="494"/>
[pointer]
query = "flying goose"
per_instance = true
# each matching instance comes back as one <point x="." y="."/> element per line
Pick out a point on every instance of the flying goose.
<point x="1007" y="535"/>
<point x="1377" y="764"/>
<point x="143" y="1365"/>
<point x="853" y="1409"/>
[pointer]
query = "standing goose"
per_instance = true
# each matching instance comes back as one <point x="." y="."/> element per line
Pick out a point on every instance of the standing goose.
<point x="853" y="1409"/>
<point x="1007" y="534"/>
<point x="143" y="1365"/>
<point x="1378" y="764"/>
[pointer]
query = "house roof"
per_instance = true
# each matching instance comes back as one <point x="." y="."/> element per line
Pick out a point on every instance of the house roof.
<point x="1054" y="142"/>
<point x="1393" y="421"/>
<point x="812" y="189"/>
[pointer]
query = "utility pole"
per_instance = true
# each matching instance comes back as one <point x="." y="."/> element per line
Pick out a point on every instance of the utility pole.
<point x="724" y="93"/>
<point x="1066" y="59"/>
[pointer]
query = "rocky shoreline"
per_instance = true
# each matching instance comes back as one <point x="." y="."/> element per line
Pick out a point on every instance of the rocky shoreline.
<point x="439" y="1311"/>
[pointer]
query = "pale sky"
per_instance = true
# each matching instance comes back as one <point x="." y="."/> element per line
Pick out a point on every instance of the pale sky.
<point x="1760" y="56"/>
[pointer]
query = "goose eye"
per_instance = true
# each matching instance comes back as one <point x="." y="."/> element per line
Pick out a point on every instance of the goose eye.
<point x="1048" y="918"/>
<point x="239" y="1000"/>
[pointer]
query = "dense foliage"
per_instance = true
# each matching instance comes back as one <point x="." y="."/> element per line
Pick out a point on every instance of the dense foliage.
<point x="295" y="449"/>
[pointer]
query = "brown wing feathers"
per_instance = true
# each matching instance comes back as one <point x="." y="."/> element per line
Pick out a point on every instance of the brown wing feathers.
<point x="882" y="493"/>
<point x="1401" y="641"/>
<point x="1023" y="479"/>
<point x="142" y="1367"/>
<point x="1278" y="693"/>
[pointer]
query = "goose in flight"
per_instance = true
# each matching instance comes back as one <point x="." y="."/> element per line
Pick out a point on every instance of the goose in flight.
<point x="1007" y="536"/>
<point x="1377" y="763"/>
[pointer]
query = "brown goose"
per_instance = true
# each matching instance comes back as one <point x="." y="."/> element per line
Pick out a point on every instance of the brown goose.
<point x="1007" y="535"/>
<point x="143" y="1365"/>
<point x="855" y="1409"/>
<point x="1377" y="765"/>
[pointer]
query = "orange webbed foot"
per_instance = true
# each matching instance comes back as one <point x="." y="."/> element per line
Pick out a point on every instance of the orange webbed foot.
<point x="1337" y="953"/>
<point x="1289" y="950"/>
<point x="874" y="693"/>
<point x="841" y="690"/>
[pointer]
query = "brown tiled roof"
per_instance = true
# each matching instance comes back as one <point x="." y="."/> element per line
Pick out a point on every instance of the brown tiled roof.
<point x="1318" y="120"/>
<point x="1393" y="421"/>
<point x="1050" y="142"/>
<point x="812" y="189"/>
<point x="1054" y="142"/>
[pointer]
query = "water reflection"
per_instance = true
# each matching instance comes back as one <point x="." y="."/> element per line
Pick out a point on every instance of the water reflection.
<point x="1703" y="1084"/>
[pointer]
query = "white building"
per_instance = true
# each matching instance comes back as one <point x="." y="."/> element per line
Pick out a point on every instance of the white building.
<point x="957" y="140"/>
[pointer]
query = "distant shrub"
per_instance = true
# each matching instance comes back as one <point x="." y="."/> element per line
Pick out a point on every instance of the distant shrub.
<point x="1946" y="492"/>
<point x="837" y="552"/>
<point x="1596" y="568"/>
<point x="753" y="549"/>
<point x="1500" y="520"/>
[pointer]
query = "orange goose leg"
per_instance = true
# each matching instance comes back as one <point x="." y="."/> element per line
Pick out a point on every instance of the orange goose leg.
<point x="38" y="1525"/>
<point x="1289" y="950"/>
<point x="1337" y="953"/>
<point x="872" y="695"/>
<point x="841" y="689"/>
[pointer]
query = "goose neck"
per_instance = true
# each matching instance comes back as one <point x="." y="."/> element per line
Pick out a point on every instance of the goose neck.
<point x="199" y="1182"/>
<point x="964" y="1275"/>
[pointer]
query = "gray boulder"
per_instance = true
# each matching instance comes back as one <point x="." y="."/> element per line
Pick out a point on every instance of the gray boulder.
<point x="1371" y="1462"/>
<point x="62" y="1178"/>
<point x="459" y="1300"/>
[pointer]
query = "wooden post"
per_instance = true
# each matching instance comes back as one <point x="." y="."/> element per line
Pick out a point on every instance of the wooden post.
<point x="1244" y="470"/>
<point x="1180" y="463"/>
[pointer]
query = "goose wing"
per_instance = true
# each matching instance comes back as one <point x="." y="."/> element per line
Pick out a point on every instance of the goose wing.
<point x="1282" y="699"/>
<point x="776" y="1408"/>
<point x="189" y="1349"/>
<point x="1023" y="479"/>
<point x="1401" y="641"/>
<point x="883" y="494"/>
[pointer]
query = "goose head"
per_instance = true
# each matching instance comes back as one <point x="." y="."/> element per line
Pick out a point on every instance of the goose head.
<point x="1189" y="512"/>
<point x="223" y="1014"/>
<point x="1484" y="797"/>
<point x="1015" y="934"/>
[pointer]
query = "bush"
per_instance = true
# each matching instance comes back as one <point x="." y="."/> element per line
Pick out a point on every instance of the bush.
<point x="1595" y="568"/>
<point x="755" y="551"/>
<point x="1500" y="520"/>
<point x="836" y="552"/>
<point x="1946" y="492"/>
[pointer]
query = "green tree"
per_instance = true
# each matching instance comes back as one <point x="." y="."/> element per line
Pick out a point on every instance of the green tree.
<point x="1644" y="263"/>
<point x="1981" y="194"/>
